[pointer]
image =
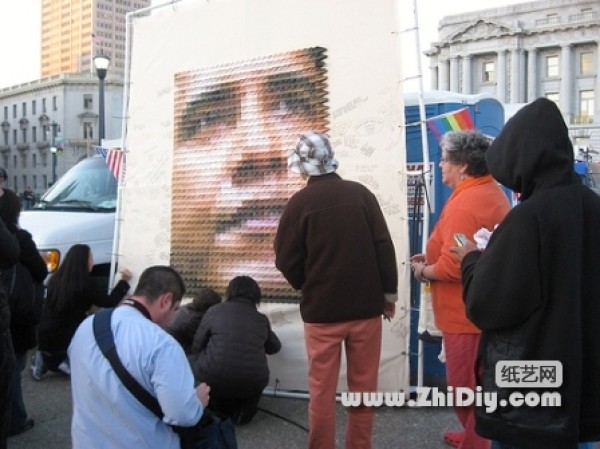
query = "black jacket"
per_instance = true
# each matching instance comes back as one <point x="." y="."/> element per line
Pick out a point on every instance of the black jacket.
<point x="56" y="329"/>
<point x="9" y="256"/>
<point x="184" y="325"/>
<point x="28" y="294"/>
<point x="229" y="349"/>
<point x="535" y="290"/>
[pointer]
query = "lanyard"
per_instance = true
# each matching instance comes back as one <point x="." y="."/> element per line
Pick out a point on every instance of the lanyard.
<point x="138" y="306"/>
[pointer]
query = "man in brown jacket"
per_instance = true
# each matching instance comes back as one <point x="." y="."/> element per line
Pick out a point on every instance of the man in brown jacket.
<point x="334" y="246"/>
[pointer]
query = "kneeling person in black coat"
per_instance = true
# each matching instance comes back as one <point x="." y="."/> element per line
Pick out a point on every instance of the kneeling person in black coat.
<point x="229" y="351"/>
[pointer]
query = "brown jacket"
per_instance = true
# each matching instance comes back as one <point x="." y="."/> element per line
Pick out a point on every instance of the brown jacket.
<point x="333" y="244"/>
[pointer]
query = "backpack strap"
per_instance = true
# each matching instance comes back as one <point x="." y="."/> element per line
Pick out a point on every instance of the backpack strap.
<point x="106" y="342"/>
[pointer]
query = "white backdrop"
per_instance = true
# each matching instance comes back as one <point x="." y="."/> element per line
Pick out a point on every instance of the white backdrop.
<point x="366" y="112"/>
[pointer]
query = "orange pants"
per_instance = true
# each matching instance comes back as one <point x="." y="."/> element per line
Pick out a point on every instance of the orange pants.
<point x="362" y="342"/>
<point x="461" y="355"/>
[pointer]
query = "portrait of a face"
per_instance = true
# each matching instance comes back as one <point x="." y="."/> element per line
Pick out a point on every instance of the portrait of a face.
<point x="234" y="127"/>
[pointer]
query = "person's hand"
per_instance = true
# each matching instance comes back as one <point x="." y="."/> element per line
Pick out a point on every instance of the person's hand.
<point x="126" y="274"/>
<point x="418" y="258"/>
<point x="203" y="393"/>
<point x="389" y="310"/>
<point x="461" y="251"/>
<point x="417" y="268"/>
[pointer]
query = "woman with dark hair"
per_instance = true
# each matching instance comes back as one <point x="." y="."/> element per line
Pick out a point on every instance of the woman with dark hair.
<point x="26" y="295"/>
<point x="476" y="202"/>
<point x="228" y="352"/>
<point x="72" y="291"/>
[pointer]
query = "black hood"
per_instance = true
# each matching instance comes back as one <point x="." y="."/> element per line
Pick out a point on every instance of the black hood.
<point x="533" y="150"/>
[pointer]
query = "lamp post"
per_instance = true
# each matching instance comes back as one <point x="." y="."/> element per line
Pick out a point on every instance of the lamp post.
<point x="101" y="63"/>
<point x="55" y="127"/>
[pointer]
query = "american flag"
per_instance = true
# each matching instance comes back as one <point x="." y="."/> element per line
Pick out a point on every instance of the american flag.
<point x="114" y="159"/>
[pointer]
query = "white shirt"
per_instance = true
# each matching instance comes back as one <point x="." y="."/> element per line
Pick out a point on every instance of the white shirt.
<point x="105" y="413"/>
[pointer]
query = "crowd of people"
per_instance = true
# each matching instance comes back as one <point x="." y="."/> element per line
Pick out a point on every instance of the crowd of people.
<point x="531" y="294"/>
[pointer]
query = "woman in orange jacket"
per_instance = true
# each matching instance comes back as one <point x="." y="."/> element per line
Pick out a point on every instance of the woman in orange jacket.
<point x="476" y="202"/>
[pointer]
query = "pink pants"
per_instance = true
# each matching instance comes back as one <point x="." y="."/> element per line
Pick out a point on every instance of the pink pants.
<point x="362" y="341"/>
<point x="461" y="355"/>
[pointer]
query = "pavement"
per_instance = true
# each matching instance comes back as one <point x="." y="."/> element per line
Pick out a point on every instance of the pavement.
<point x="49" y="404"/>
<point x="280" y="424"/>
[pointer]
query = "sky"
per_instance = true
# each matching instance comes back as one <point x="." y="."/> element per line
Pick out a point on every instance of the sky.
<point x="20" y="32"/>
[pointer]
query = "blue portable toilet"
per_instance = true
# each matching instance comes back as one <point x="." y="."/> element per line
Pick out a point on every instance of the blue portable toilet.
<point x="488" y="117"/>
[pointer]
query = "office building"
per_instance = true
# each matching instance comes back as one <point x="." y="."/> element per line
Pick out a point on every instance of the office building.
<point x="74" y="31"/>
<point x="548" y="48"/>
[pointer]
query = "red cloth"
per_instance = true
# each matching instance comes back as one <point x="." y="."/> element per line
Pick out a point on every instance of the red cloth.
<point x="362" y="341"/>
<point x="461" y="354"/>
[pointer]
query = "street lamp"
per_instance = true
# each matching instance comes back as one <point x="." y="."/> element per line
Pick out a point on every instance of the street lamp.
<point x="55" y="127"/>
<point x="101" y="63"/>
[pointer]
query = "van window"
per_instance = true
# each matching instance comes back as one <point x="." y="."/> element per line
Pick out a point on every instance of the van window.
<point x="88" y="186"/>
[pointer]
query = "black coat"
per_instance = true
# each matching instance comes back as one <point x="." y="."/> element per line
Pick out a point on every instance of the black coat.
<point x="535" y="290"/>
<point x="28" y="293"/>
<point x="184" y="325"/>
<point x="56" y="329"/>
<point x="9" y="256"/>
<point x="229" y="349"/>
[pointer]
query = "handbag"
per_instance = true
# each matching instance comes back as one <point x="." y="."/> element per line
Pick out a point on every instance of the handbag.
<point x="213" y="431"/>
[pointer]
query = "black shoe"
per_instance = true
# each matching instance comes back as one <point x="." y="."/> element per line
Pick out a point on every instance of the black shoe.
<point x="27" y="426"/>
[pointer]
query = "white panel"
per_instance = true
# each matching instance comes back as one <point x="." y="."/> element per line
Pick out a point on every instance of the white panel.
<point x="365" y="117"/>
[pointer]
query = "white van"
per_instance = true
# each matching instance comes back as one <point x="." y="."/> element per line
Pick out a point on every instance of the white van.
<point x="79" y="208"/>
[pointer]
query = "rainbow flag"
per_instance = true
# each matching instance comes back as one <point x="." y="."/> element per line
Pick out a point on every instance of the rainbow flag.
<point x="459" y="120"/>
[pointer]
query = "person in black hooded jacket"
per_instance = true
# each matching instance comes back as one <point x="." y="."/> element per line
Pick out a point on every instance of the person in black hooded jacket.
<point x="535" y="290"/>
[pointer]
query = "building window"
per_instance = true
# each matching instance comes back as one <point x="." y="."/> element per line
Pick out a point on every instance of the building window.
<point x="24" y="109"/>
<point x="586" y="63"/>
<point x="586" y="103"/>
<point x="88" y="103"/>
<point x="15" y="164"/>
<point x="5" y="113"/>
<point x="14" y="136"/>
<point x="587" y="13"/>
<point x="88" y="131"/>
<point x="44" y="181"/>
<point x="33" y="108"/>
<point x="14" y="111"/>
<point x="489" y="73"/>
<point x="24" y="132"/>
<point x="34" y="161"/>
<point x="35" y="186"/>
<point x="552" y="66"/>
<point x="552" y="96"/>
<point x="44" y="106"/>
<point x="54" y="103"/>
<point x="34" y="134"/>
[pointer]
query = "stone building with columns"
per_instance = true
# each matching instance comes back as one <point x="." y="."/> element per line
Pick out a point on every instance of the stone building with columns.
<point x="36" y="116"/>
<point x="547" y="48"/>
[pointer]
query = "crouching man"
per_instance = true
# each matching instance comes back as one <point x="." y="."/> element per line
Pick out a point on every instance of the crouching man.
<point x="105" y="413"/>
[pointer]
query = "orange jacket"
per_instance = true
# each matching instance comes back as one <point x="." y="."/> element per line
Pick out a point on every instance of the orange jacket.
<point x="475" y="203"/>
